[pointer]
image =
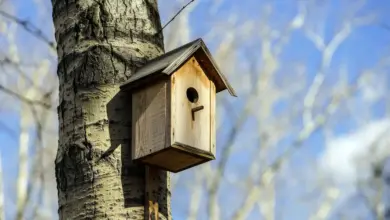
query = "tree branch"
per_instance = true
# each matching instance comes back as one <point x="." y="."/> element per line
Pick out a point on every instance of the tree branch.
<point x="327" y="54"/>
<point x="267" y="175"/>
<point x="24" y="99"/>
<point x="331" y="195"/>
<point x="173" y="18"/>
<point x="29" y="27"/>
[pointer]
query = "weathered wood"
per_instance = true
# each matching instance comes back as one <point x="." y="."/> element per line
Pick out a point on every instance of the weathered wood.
<point x="151" y="200"/>
<point x="213" y="132"/>
<point x="172" y="160"/>
<point x="177" y="157"/>
<point x="174" y="104"/>
<point x="173" y="120"/>
<point x="149" y="119"/>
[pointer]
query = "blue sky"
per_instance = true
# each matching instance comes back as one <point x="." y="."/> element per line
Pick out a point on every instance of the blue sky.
<point x="362" y="49"/>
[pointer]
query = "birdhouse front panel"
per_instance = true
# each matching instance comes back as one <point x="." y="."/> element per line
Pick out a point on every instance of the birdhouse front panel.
<point x="191" y="107"/>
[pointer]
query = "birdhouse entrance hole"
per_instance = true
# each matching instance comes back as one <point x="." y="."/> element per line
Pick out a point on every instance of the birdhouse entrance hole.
<point x="192" y="95"/>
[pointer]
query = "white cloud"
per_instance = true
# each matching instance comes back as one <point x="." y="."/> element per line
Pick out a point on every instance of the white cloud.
<point x="350" y="157"/>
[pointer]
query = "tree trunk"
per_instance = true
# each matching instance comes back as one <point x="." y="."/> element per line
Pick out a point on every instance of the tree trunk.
<point x="100" y="43"/>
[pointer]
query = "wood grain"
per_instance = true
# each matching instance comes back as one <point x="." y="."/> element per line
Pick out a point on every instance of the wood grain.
<point x="149" y="119"/>
<point x="170" y="131"/>
<point x="194" y="133"/>
<point x="173" y="160"/>
<point x="151" y="201"/>
<point x="213" y="132"/>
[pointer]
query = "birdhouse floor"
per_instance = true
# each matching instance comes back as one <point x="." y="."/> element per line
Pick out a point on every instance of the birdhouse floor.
<point x="177" y="157"/>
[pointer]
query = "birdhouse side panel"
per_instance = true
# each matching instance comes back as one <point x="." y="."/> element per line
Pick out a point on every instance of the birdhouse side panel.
<point x="213" y="133"/>
<point x="149" y="119"/>
<point x="190" y="95"/>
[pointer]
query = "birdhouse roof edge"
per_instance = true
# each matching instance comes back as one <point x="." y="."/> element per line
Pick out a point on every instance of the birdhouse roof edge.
<point x="199" y="44"/>
<point x="169" y="62"/>
<point x="219" y="73"/>
<point x="158" y="64"/>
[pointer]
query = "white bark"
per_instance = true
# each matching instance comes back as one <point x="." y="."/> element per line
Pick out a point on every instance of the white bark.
<point x="100" y="43"/>
<point x="23" y="164"/>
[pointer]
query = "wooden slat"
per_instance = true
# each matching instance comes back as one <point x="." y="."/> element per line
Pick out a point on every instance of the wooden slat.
<point x="213" y="133"/>
<point x="149" y="119"/>
<point x="173" y="160"/>
<point x="151" y="200"/>
<point x="177" y="158"/>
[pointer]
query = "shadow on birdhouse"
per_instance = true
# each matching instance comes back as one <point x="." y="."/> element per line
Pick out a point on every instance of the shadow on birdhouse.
<point x="173" y="108"/>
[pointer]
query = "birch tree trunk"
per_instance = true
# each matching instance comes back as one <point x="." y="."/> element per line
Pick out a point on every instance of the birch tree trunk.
<point x="100" y="43"/>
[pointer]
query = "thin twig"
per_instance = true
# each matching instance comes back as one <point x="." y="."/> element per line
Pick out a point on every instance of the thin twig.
<point x="173" y="18"/>
<point x="29" y="27"/>
<point x="6" y="61"/>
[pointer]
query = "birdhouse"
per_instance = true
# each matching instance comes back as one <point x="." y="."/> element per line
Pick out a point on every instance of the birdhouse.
<point x="173" y="108"/>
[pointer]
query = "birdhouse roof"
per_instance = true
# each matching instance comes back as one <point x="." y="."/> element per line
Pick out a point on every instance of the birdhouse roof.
<point x="169" y="62"/>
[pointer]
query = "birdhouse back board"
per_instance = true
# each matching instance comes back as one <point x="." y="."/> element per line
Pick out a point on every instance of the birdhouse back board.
<point x="191" y="106"/>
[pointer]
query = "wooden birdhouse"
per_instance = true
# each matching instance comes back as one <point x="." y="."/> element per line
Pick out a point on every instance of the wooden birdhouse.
<point x="173" y="108"/>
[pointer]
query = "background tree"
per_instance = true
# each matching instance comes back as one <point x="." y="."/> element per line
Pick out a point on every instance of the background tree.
<point x="305" y="139"/>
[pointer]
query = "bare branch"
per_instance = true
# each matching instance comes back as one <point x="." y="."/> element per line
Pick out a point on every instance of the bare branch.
<point x="196" y="194"/>
<point x="173" y="18"/>
<point x="23" y="165"/>
<point x="29" y="27"/>
<point x="24" y="99"/>
<point x="268" y="174"/>
<point x="331" y="195"/>
<point x="327" y="54"/>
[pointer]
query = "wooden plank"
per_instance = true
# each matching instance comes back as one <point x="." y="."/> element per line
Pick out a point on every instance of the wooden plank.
<point x="213" y="132"/>
<point x="169" y="115"/>
<point x="149" y="119"/>
<point x="151" y="200"/>
<point x="189" y="129"/>
<point x="184" y="156"/>
<point x="157" y="194"/>
<point x="173" y="160"/>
